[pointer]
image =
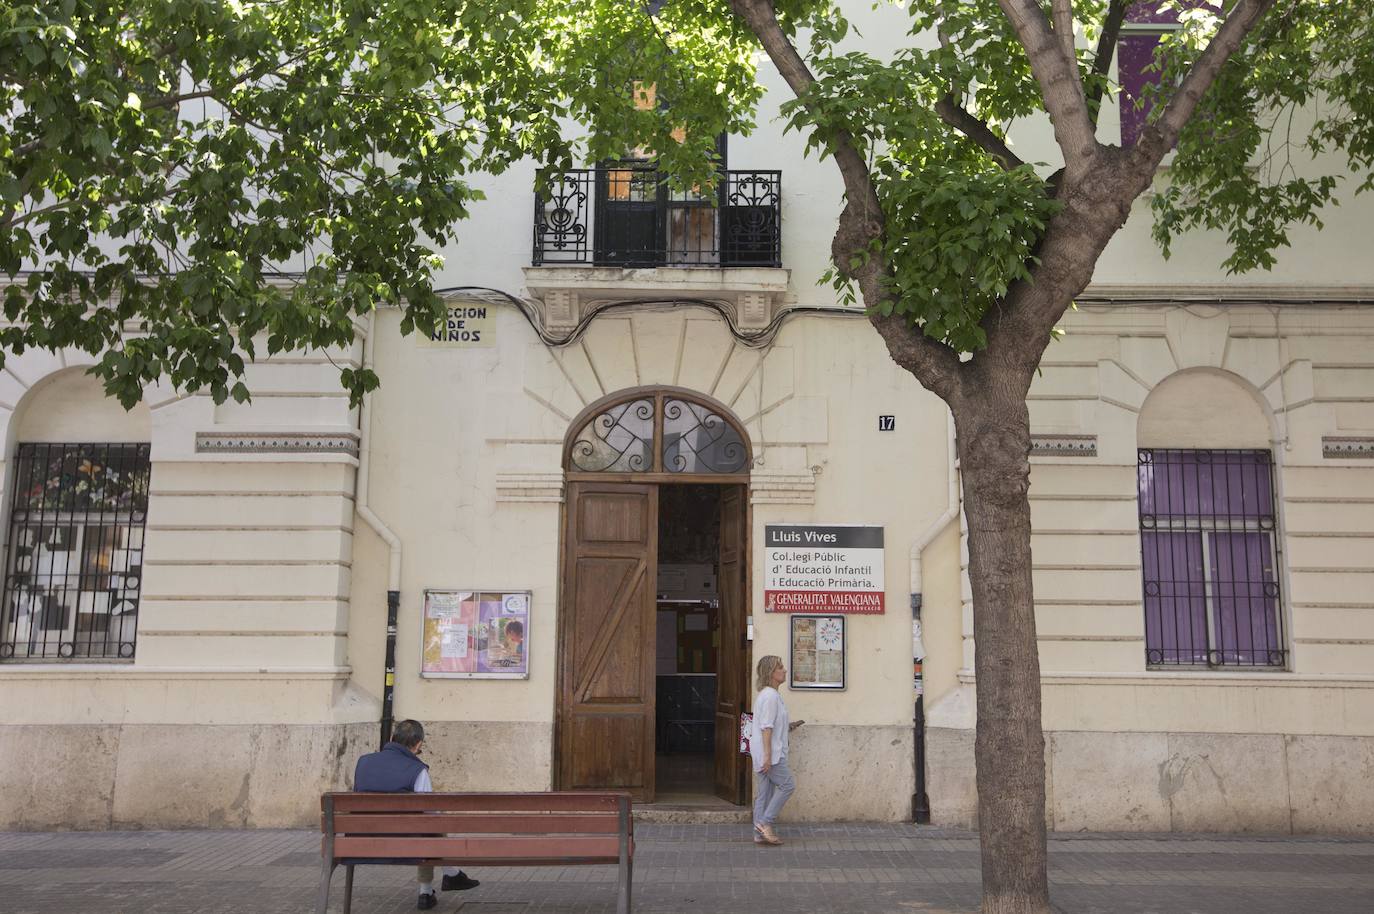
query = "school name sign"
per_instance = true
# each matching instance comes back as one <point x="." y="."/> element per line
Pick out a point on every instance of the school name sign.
<point x="462" y="328"/>
<point x="823" y="569"/>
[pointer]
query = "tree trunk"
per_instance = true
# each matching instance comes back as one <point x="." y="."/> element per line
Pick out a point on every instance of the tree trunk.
<point x="994" y="449"/>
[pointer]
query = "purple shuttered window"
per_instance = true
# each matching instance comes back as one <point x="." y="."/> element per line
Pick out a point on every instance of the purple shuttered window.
<point x="1208" y="553"/>
<point x="1146" y="23"/>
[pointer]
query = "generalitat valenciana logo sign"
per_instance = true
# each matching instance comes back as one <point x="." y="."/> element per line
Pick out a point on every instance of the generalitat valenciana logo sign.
<point x="832" y="568"/>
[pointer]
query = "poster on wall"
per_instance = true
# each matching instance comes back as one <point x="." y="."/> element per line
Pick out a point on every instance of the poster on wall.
<point x="817" y="652"/>
<point x="476" y="634"/>
<point x="823" y="568"/>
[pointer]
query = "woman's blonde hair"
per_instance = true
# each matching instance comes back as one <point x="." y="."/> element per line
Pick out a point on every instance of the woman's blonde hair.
<point x="767" y="666"/>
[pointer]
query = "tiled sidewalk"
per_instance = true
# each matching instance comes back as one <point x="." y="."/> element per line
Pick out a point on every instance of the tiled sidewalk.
<point x="695" y="868"/>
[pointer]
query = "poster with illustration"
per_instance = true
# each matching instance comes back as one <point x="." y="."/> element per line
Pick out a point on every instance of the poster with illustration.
<point x="475" y="634"/>
<point x="817" y="644"/>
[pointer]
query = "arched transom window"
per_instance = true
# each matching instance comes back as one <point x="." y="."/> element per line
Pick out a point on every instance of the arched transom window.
<point x="664" y="431"/>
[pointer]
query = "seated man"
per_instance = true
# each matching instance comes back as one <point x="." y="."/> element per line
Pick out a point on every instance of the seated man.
<point x="398" y="769"/>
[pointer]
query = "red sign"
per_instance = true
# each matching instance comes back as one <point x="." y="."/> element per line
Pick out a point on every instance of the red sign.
<point x="805" y="601"/>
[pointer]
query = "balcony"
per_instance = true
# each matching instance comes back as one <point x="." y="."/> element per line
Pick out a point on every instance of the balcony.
<point x="628" y="216"/>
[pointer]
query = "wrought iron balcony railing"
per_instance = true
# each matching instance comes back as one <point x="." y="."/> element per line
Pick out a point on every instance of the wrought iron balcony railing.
<point x="627" y="215"/>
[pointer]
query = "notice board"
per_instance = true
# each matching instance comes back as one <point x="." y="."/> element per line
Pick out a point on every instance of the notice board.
<point x="476" y="634"/>
<point x="823" y="568"/>
<point x="818" y="652"/>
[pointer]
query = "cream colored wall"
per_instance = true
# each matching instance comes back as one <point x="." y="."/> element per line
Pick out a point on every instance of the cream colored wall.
<point x="466" y="453"/>
<point x="237" y="708"/>
<point x="494" y="243"/>
<point x="1254" y="750"/>
<point x="1219" y="377"/>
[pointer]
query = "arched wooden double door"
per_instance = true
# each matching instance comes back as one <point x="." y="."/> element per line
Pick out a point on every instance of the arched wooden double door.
<point x="619" y="452"/>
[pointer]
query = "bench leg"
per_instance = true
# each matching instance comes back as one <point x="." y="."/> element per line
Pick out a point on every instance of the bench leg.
<point x="322" y="898"/>
<point x="348" y="889"/>
<point x="624" y="903"/>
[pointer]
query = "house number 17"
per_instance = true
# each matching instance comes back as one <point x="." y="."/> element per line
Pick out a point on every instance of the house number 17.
<point x="887" y="423"/>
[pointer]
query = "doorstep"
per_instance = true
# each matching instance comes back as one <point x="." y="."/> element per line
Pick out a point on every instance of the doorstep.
<point x="690" y="809"/>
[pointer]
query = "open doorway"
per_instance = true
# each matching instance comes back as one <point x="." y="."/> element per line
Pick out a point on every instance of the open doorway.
<point x="656" y="521"/>
<point x="687" y="642"/>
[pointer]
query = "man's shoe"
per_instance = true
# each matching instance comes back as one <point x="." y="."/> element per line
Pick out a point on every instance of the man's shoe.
<point x="460" y="883"/>
<point x="426" y="901"/>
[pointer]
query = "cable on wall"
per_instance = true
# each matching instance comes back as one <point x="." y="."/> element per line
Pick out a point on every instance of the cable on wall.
<point x="755" y="339"/>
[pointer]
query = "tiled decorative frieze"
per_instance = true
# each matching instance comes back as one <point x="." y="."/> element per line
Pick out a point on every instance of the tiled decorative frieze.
<point x="1063" y="445"/>
<point x="1338" y="447"/>
<point x="276" y="443"/>
<point x="782" y="487"/>
<point x="529" y="487"/>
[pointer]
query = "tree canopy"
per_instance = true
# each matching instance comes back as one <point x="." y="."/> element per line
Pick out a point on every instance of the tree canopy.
<point x="181" y="180"/>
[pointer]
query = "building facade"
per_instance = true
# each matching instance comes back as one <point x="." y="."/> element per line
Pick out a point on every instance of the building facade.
<point x="577" y="500"/>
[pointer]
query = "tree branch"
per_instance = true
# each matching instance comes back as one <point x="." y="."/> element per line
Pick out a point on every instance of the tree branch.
<point x="1160" y="136"/>
<point x="1062" y="10"/>
<point x="1106" y="50"/>
<point x="953" y="113"/>
<point x="1057" y="73"/>
<point x="962" y="120"/>
<point x="861" y="223"/>
<point x="1096" y="205"/>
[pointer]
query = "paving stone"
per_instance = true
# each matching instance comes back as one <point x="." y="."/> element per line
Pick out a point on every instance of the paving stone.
<point x="863" y="868"/>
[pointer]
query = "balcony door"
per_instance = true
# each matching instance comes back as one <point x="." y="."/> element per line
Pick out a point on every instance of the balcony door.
<point x="642" y="222"/>
<point x="629" y="215"/>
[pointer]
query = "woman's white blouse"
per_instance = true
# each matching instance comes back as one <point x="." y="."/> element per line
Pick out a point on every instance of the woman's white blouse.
<point x="769" y="714"/>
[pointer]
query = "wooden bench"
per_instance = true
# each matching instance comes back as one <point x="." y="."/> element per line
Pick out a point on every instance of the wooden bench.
<point x="476" y="829"/>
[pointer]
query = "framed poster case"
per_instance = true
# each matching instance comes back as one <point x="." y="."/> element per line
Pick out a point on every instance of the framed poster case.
<point x="475" y="634"/>
<point x="818" y="652"/>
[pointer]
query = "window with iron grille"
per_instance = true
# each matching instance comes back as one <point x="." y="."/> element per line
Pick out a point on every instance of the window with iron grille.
<point x="74" y="554"/>
<point x="1209" y="558"/>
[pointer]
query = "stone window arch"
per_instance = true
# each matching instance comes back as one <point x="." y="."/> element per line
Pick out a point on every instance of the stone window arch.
<point x="77" y="479"/>
<point x="1210" y="535"/>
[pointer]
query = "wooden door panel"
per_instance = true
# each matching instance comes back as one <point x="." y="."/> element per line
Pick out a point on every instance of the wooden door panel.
<point x="610" y="754"/>
<point x="612" y="518"/>
<point x="610" y="636"/>
<point x="732" y="662"/>
<point x="606" y="672"/>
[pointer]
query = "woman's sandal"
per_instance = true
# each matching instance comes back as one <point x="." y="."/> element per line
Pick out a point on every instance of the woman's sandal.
<point x="764" y="834"/>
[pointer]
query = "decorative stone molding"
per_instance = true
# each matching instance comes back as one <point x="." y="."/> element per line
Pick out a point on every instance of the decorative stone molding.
<point x="797" y="487"/>
<point x="543" y="488"/>
<point x="1348" y="448"/>
<point x="276" y="443"/>
<point x="564" y="295"/>
<point x="753" y="311"/>
<point x="560" y="311"/>
<point x="1063" y="445"/>
<point x="1229" y="293"/>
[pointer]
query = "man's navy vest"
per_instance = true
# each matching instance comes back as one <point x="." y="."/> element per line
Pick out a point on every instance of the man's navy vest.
<point x="393" y="770"/>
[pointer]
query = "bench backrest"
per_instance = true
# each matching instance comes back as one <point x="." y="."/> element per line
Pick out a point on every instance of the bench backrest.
<point x="528" y="827"/>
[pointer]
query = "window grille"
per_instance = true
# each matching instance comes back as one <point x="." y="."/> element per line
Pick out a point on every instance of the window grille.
<point x="74" y="555"/>
<point x="1209" y="558"/>
<point x="659" y="432"/>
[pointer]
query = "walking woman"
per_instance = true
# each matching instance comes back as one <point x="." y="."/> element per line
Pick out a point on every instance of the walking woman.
<point x="773" y="781"/>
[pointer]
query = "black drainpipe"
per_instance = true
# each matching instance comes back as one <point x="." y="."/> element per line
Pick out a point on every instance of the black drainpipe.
<point x="393" y="608"/>
<point x="920" y="803"/>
